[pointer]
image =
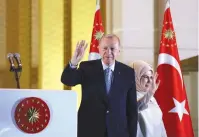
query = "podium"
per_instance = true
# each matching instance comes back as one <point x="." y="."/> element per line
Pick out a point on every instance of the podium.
<point x="38" y="113"/>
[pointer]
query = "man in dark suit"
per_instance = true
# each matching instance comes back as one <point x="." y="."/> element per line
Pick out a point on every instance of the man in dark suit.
<point x="108" y="106"/>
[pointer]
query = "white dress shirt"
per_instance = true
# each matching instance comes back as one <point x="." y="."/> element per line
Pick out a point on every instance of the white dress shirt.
<point x="112" y="67"/>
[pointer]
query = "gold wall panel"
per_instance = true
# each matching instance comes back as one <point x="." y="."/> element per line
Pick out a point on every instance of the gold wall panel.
<point x="25" y="41"/>
<point x="17" y="40"/>
<point x="2" y="34"/>
<point x="103" y="13"/>
<point x="35" y="18"/>
<point x="51" y="44"/>
<point x="67" y="34"/>
<point x="3" y="60"/>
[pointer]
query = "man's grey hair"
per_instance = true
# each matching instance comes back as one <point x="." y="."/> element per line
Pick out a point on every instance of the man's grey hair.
<point x="110" y="36"/>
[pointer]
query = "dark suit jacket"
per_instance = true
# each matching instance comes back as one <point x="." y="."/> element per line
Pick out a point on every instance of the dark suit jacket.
<point x="102" y="115"/>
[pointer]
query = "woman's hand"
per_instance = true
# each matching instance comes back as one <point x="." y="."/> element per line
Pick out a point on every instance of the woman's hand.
<point x="154" y="85"/>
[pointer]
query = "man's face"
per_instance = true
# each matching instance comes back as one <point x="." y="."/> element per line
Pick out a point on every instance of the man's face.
<point x="109" y="50"/>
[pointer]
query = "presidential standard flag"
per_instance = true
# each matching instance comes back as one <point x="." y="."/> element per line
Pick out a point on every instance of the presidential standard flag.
<point x="98" y="31"/>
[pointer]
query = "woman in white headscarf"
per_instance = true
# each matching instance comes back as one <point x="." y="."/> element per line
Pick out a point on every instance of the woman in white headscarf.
<point x="150" y="122"/>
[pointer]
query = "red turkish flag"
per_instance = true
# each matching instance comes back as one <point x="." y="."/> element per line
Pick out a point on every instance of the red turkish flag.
<point x="98" y="32"/>
<point x="171" y="94"/>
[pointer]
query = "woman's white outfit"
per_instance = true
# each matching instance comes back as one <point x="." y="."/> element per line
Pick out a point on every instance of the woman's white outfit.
<point x="150" y="122"/>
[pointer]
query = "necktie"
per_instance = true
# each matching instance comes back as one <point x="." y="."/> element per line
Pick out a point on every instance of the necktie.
<point x="108" y="79"/>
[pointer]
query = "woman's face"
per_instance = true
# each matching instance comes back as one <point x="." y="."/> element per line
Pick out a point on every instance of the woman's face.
<point x="146" y="80"/>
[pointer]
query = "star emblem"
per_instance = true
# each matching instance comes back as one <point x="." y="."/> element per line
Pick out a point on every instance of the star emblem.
<point x="98" y="35"/>
<point x="33" y="115"/>
<point x="169" y="34"/>
<point x="179" y="108"/>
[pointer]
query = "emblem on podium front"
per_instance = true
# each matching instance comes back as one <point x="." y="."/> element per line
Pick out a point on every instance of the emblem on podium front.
<point x="32" y="115"/>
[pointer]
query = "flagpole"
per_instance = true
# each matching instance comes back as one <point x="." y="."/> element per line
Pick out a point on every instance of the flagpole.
<point x="169" y="2"/>
<point x="98" y="2"/>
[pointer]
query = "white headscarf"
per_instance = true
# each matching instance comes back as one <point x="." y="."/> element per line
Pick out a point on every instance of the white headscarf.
<point x="140" y="68"/>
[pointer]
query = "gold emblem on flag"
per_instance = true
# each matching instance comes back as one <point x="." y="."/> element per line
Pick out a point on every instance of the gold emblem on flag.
<point x="98" y="35"/>
<point x="169" y="34"/>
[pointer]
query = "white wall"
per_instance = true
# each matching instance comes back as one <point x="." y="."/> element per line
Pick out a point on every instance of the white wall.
<point x="133" y="22"/>
<point x="138" y="23"/>
<point x="185" y="18"/>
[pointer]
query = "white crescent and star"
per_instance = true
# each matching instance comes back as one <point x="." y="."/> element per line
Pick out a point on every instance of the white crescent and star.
<point x="179" y="108"/>
<point x="164" y="58"/>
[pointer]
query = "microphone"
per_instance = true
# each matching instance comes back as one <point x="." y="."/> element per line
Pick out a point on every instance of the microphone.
<point x="17" y="57"/>
<point x="10" y="58"/>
